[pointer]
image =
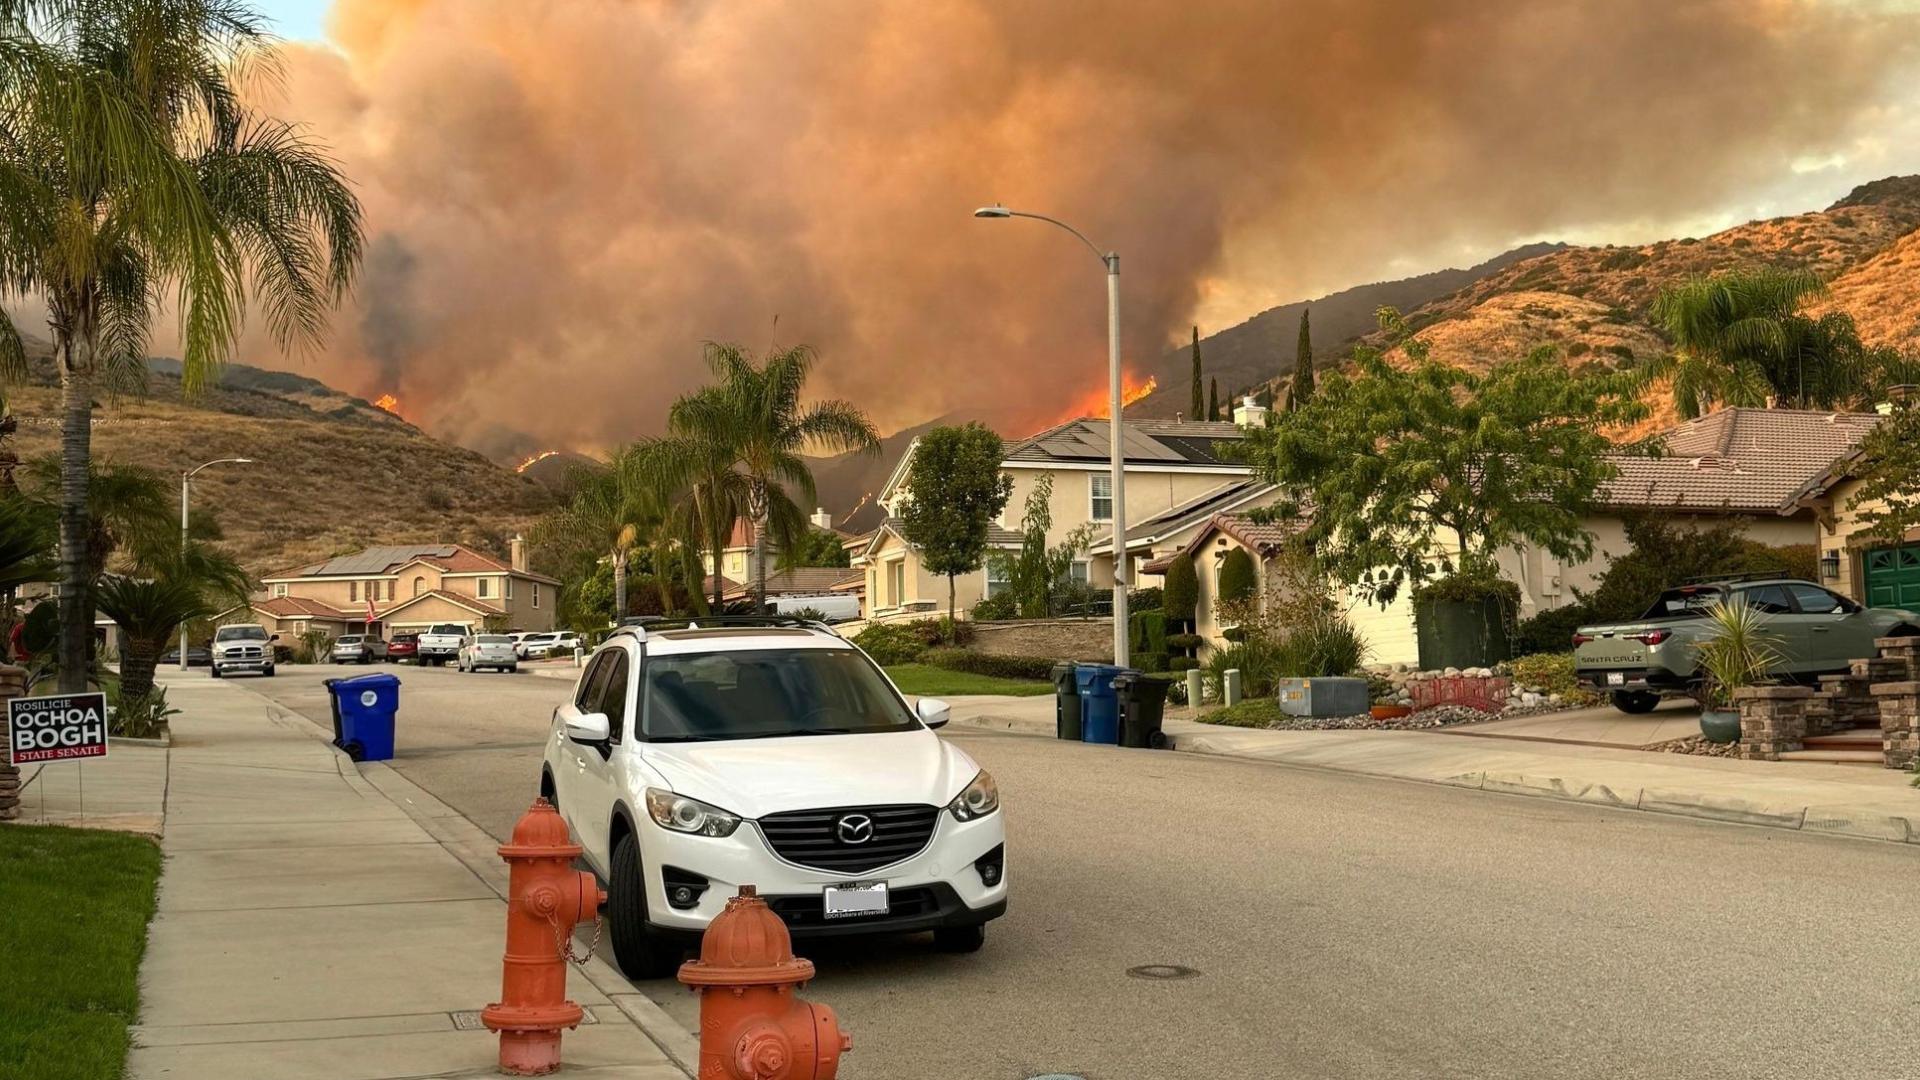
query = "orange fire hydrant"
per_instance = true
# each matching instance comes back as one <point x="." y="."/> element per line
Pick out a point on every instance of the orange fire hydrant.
<point x="752" y="1027"/>
<point x="545" y="898"/>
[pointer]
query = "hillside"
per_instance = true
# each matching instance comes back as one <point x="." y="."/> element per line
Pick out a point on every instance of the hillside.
<point x="847" y="483"/>
<point x="333" y="473"/>
<point x="1264" y="345"/>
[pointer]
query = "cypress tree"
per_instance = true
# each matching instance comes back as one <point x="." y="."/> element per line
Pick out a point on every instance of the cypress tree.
<point x="1213" y="399"/>
<point x="1195" y="413"/>
<point x="1302" y="365"/>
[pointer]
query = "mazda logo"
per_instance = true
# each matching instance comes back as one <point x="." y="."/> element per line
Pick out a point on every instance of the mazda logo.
<point x="854" y="829"/>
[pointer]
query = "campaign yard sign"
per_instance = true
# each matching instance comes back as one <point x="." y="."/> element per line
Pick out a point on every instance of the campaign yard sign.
<point x="57" y="728"/>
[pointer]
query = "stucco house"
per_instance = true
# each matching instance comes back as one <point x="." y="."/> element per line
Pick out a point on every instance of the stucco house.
<point x="1748" y="466"/>
<point x="1872" y="570"/>
<point x="1263" y="541"/>
<point x="1175" y="481"/>
<point x="404" y="587"/>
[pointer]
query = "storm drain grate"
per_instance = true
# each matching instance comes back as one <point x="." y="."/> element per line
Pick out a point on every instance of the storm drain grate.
<point x="1162" y="971"/>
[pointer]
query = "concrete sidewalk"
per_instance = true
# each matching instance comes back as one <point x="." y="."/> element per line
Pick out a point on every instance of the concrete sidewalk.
<point x="318" y="919"/>
<point x="1876" y="804"/>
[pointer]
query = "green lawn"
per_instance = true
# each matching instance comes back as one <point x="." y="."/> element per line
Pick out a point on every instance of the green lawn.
<point x="925" y="679"/>
<point x="74" y="905"/>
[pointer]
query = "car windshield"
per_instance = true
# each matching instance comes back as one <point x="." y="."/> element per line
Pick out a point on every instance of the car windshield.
<point x="449" y="628"/>
<point x="1687" y="602"/>
<point x="240" y="633"/>
<point x="352" y="639"/>
<point x="493" y="639"/>
<point x="768" y="693"/>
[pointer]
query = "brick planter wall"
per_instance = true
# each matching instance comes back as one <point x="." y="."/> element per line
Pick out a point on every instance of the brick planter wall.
<point x="1899" y="722"/>
<point x="1773" y="720"/>
<point x="13" y="684"/>
<point x="1900" y="658"/>
<point x="1055" y="639"/>
<point x="1845" y="702"/>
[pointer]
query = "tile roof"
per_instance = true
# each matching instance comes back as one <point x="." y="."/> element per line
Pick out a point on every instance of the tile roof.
<point x="801" y="580"/>
<point x="1147" y="442"/>
<point x="293" y="607"/>
<point x="997" y="534"/>
<point x="1739" y="460"/>
<point x="472" y="603"/>
<point x="381" y="559"/>
<point x="1265" y="537"/>
<point x="1197" y="509"/>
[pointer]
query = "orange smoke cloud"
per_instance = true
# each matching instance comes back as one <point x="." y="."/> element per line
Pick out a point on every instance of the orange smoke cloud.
<point x="566" y="199"/>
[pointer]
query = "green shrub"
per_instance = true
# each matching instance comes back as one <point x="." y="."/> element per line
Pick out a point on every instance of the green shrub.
<point x="1181" y="663"/>
<point x="1665" y="553"/>
<point x="1182" y="591"/>
<point x="1322" y="648"/>
<point x="979" y="663"/>
<point x="1551" y="631"/>
<point x="890" y="643"/>
<point x="1148" y="630"/>
<point x="1553" y="674"/>
<point x="1146" y="599"/>
<point x="1152" y="661"/>
<point x="996" y="607"/>
<point x="1239" y="580"/>
<point x="1469" y="588"/>
<point x="1261" y="663"/>
<point x="1185" y="641"/>
<point x="941" y="631"/>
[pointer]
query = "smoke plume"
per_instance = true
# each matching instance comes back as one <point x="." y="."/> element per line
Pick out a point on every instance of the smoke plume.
<point x="565" y="199"/>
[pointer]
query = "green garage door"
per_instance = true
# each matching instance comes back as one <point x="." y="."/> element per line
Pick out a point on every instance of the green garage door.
<point x="1893" y="577"/>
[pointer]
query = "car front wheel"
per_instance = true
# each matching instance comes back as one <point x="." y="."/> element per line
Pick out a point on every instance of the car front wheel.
<point x="635" y="947"/>
<point x="1635" y="702"/>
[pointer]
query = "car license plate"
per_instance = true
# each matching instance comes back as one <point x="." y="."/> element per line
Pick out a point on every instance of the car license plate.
<point x="1616" y="678"/>
<point x="855" y="901"/>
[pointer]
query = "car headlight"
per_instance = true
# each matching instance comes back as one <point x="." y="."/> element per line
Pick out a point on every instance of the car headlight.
<point x="978" y="799"/>
<point x="681" y="814"/>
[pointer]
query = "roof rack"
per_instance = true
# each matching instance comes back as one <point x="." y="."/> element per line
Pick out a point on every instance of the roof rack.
<point x="1732" y="579"/>
<point x="640" y="625"/>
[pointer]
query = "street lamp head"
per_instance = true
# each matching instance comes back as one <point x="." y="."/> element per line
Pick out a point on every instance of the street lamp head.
<point x="995" y="211"/>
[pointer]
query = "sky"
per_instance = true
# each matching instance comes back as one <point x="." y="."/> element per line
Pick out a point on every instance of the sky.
<point x="566" y="200"/>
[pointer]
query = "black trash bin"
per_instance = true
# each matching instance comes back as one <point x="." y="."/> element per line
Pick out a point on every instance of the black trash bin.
<point x="1143" y="706"/>
<point x="1066" y="703"/>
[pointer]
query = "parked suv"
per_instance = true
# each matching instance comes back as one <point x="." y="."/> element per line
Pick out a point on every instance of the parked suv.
<point x="694" y="758"/>
<point x="358" y="649"/>
<point x="487" y="651"/>
<point x="1814" y="631"/>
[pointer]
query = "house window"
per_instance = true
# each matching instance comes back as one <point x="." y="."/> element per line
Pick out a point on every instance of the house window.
<point x="897" y="583"/>
<point x="1078" y="571"/>
<point x="391" y="584"/>
<point x="280" y="590"/>
<point x="483" y="587"/>
<point x="997" y="582"/>
<point x="353" y="591"/>
<point x="536" y="594"/>
<point x="1100" y="496"/>
<point x="419" y="583"/>
<point x="300" y="626"/>
<point x="509" y="580"/>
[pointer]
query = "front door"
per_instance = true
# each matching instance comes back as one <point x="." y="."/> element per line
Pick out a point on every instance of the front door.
<point x="1893" y="576"/>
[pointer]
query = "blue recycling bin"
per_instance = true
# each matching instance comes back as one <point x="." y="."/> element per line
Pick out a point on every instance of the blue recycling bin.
<point x="363" y="711"/>
<point x="1099" y="705"/>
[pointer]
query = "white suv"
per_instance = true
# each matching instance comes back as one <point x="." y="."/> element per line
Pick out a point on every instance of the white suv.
<point x="694" y="759"/>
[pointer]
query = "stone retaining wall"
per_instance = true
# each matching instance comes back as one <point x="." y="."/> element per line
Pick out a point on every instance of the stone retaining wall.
<point x="1055" y="639"/>
<point x="1773" y="720"/>
<point x="1899" y="722"/>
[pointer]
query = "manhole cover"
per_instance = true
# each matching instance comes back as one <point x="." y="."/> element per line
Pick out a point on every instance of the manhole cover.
<point x="1162" y="971"/>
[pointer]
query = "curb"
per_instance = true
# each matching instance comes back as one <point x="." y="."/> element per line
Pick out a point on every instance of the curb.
<point x="1831" y="820"/>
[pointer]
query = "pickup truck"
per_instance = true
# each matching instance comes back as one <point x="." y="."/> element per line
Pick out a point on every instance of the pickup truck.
<point x="1816" y="632"/>
<point x="439" y="644"/>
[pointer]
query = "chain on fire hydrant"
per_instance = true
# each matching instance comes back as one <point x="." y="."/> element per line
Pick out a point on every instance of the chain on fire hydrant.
<point x="545" y="898"/>
<point x="752" y="1026"/>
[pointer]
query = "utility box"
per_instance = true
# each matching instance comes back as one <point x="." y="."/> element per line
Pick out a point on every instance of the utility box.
<point x="1324" y="697"/>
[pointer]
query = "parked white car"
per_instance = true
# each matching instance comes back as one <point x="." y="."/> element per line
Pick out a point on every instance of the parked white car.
<point x="693" y="759"/>
<point x="242" y="647"/>
<point x="488" y="651"/>
<point x="534" y="646"/>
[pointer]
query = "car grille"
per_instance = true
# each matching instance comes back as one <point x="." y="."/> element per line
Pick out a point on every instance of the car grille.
<point x="804" y="911"/>
<point x="812" y="838"/>
<point x="250" y="652"/>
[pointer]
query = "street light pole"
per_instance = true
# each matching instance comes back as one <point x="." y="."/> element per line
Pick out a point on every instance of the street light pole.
<point x="186" y="490"/>
<point x="1122" y="570"/>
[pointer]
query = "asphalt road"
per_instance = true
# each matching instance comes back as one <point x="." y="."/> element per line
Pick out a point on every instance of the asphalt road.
<point x="1339" y="926"/>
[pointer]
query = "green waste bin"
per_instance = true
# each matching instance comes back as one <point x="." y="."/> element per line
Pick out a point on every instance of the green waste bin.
<point x="1066" y="703"/>
<point x="1143" y="707"/>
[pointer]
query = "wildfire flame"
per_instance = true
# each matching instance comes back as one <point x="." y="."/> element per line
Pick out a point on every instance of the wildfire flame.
<point x="1094" y="404"/>
<point x="530" y="462"/>
<point x="387" y="403"/>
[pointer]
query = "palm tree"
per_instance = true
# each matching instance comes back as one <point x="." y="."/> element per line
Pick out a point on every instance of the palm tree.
<point x="151" y="604"/>
<point x="752" y="419"/>
<point x="1741" y="340"/>
<point x="612" y="513"/>
<point x="130" y="509"/>
<point x="132" y="174"/>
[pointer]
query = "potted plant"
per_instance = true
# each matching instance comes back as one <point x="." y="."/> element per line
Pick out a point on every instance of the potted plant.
<point x="1737" y="653"/>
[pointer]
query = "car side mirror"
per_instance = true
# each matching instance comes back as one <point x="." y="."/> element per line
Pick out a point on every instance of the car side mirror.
<point x="932" y="711"/>
<point x="589" y="728"/>
<point x="273" y="637"/>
